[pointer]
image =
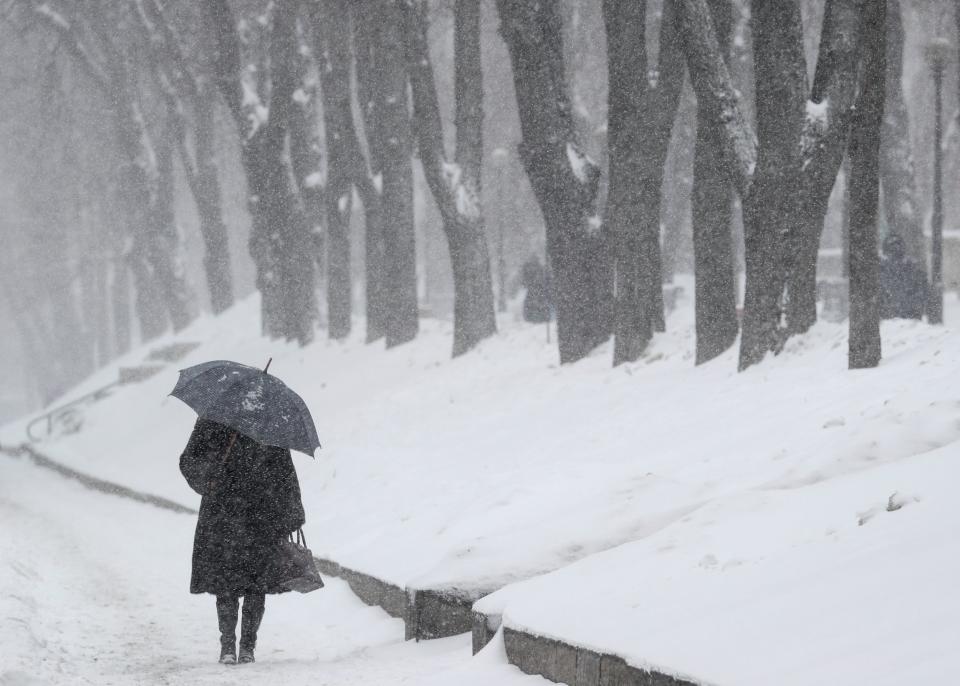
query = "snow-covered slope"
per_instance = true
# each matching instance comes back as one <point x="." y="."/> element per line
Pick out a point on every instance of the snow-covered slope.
<point x="851" y="580"/>
<point x="500" y="466"/>
<point x="93" y="591"/>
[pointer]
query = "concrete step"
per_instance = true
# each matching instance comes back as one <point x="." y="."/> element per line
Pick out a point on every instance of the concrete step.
<point x="577" y="666"/>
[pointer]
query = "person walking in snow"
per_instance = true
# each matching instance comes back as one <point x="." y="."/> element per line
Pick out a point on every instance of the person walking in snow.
<point x="251" y="501"/>
<point x="903" y="285"/>
<point x="536" y="280"/>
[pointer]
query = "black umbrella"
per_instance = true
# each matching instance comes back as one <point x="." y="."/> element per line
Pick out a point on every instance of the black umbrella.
<point x="249" y="400"/>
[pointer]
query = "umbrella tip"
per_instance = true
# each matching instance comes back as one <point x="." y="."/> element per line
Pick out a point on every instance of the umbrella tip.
<point x="268" y="365"/>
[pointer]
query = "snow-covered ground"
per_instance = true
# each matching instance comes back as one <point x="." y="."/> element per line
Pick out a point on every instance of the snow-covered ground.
<point x="852" y="580"/>
<point x="93" y="591"/>
<point x="727" y="503"/>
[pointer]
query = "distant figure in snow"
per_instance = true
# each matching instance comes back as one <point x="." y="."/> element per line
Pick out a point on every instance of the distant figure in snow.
<point x="903" y="286"/>
<point x="251" y="501"/>
<point x="536" y="281"/>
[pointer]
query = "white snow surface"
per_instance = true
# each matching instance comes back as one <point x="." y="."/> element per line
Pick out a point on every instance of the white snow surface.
<point x="702" y="521"/>
<point x="579" y="162"/>
<point x="818" y="112"/>
<point x="93" y="590"/>
<point x="823" y="584"/>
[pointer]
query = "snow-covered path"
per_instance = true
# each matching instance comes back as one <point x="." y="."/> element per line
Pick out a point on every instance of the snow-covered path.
<point x="93" y="591"/>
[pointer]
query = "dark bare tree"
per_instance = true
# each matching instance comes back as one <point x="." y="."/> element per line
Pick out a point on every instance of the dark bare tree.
<point x="331" y="25"/>
<point x="370" y="184"/>
<point x="864" y="341"/>
<point x="382" y="74"/>
<point x="306" y="148"/>
<point x="455" y="185"/>
<point x="900" y="200"/>
<point x="711" y="218"/>
<point x="91" y="38"/>
<point x="186" y="89"/>
<point x="564" y="179"/>
<point x="785" y="178"/>
<point x="280" y="242"/>
<point x="642" y="108"/>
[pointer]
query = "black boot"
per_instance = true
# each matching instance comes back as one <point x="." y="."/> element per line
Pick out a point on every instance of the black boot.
<point x="228" y="608"/>
<point x="253" y="607"/>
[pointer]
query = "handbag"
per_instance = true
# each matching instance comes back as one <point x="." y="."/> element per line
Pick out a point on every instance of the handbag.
<point x="296" y="568"/>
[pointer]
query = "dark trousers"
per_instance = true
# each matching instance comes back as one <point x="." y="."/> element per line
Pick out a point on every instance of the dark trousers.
<point x="228" y="607"/>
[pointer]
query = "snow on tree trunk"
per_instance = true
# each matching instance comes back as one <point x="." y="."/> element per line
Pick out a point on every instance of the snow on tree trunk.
<point x="180" y="85"/>
<point x="306" y="152"/>
<point x="564" y="180"/>
<point x="455" y="186"/>
<point x="829" y="112"/>
<point x="370" y="184"/>
<point x="784" y="193"/>
<point x="864" y="342"/>
<point x="154" y="257"/>
<point x="279" y="241"/>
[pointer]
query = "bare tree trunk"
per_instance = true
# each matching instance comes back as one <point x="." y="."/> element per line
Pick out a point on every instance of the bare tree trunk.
<point x="180" y="84"/>
<point x="120" y="300"/>
<point x="864" y="196"/>
<point x="370" y="187"/>
<point x="400" y="254"/>
<point x="35" y="342"/>
<point x="800" y="150"/>
<point x="157" y="264"/>
<point x="165" y="252"/>
<point x="641" y="115"/>
<point x="678" y="188"/>
<point x="306" y="150"/>
<point x="564" y="180"/>
<point x="901" y="207"/>
<point x="330" y="21"/>
<point x="456" y="186"/>
<point x="216" y="258"/>
<point x="279" y="242"/>
<point x="151" y="315"/>
<point x="770" y="210"/>
<point x="391" y="146"/>
<point x="825" y="138"/>
<point x="712" y="215"/>
<point x="163" y="294"/>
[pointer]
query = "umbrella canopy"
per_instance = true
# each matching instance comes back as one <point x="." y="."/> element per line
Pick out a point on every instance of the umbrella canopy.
<point x="249" y="400"/>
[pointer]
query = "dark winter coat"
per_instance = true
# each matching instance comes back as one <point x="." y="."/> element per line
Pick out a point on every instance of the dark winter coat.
<point x="251" y="501"/>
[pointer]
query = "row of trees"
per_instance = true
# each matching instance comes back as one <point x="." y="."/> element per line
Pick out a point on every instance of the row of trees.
<point x="332" y="100"/>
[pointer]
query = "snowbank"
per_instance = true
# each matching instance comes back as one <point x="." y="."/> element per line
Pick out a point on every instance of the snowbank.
<point x="500" y="466"/>
<point x="848" y="581"/>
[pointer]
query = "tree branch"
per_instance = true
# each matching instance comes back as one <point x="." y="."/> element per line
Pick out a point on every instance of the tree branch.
<point x="426" y="108"/>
